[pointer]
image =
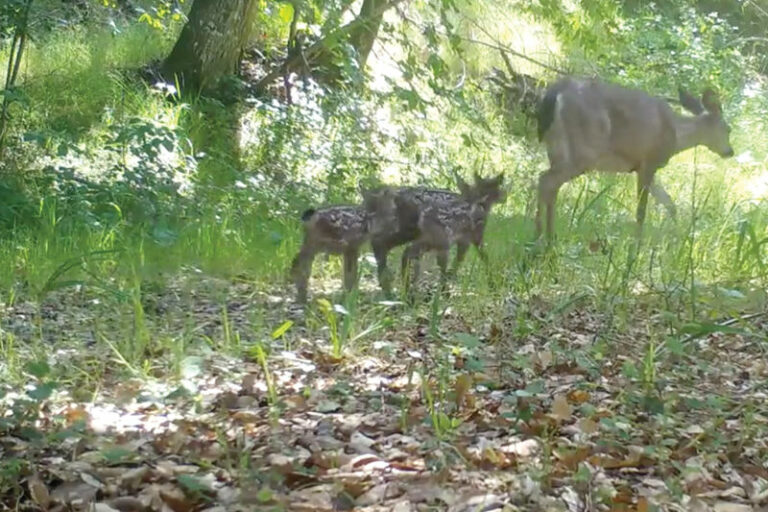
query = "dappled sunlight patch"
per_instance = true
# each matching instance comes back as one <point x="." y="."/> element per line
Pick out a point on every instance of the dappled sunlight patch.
<point x="488" y="413"/>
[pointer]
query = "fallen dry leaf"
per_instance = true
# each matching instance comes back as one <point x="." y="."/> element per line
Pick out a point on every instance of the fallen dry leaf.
<point x="127" y="504"/>
<point x="102" y="507"/>
<point x="74" y="493"/>
<point x="726" y="506"/>
<point x="578" y="396"/>
<point x="588" y="426"/>
<point x="461" y="387"/>
<point x="39" y="491"/>
<point x="561" y="409"/>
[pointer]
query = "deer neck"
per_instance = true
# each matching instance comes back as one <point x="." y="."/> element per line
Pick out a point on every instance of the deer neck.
<point x="689" y="131"/>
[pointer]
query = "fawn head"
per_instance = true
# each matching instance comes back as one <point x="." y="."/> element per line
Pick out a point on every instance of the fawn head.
<point x="381" y="208"/>
<point x="484" y="191"/>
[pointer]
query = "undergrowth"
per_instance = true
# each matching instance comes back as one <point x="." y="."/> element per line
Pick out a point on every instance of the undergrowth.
<point x="184" y="198"/>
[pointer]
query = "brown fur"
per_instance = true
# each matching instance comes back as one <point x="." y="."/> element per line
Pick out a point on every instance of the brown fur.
<point x="340" y="230"/>
<point x="592" y="125"/>
<point x="458" y="221"/>
<point x="409" y="203"/>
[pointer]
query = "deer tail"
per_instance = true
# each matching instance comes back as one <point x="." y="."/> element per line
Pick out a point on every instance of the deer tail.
<point x="307" y="214"/>
<point x="546" y="113"/>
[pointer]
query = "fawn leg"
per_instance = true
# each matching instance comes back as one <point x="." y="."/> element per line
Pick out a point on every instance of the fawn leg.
<point x="350" y="268"/>
<point x="461" y="252"/>
<point x="301" y="268"/>
<point x="380" y="252"/>
<point x="442" y="263"/>
<point x="484" y="259"/>
<point x="410" y="266"/>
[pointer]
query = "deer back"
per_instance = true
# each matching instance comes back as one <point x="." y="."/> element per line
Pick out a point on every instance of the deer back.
<point x="588" y="124"/>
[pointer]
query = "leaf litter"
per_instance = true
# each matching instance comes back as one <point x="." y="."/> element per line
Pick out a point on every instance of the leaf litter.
<point x="493" y="420"/>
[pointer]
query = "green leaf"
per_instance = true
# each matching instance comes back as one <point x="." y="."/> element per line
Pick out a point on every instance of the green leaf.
<point x="653" y="404"/>
<point x="534" y="388"/>
<point x="264" y="495"/>
<point x="286" y="12"/>
<point x="179" y="392"/>
<point x="117" y="455"/>
<point x="191" y="367"/>
<point x="629" y="370"/>
<point x="280" y="331"/>
<point x="699" y="329"/>
<point x="42" y="391"/>
<point x="38" y="369"/>
<point x="324" y="305"/>
<point x="675" y="346"/>
<point x="467" y="340"/>
<point x="326" y="406"/>
<point x="191" y="484"/>
<point x="474" y="364"/>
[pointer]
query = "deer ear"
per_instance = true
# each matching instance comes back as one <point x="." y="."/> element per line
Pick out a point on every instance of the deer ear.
<point x="463" y="186"/>
<point x="711" y="102"/>
<point x="500" y="178"/>
<point x="370" y="196"/>
<point x="690" y="102"/>
<point x="478" y="178"/>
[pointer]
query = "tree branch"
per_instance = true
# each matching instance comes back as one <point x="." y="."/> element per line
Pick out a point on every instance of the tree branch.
<point x="316" y="48"/>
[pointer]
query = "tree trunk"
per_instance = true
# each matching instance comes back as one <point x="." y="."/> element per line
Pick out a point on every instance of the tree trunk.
<point x="361" y="35"/>
<point x="210" y="43"/>
<point x="364" y="35"/>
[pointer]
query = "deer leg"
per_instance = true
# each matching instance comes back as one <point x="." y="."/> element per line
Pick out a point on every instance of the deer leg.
<point x="644" y="182"/>
<point x="301" y="269"/>
<point x="658" y="193"/>
<point x="549" y="185"/>
<point x="539" y="205"/>
<point x="350" y="268"/>
<point x="380" y="252"/>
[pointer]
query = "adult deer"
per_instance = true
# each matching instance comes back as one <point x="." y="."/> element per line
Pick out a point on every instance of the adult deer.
<point x="589" y="124"/>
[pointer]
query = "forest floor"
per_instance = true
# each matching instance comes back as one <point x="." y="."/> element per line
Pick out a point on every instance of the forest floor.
<point x="417" y="414"/>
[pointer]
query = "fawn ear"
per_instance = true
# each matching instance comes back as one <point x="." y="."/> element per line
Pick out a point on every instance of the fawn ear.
<point x="499" y="179"/>
<point x="464" y="188"/>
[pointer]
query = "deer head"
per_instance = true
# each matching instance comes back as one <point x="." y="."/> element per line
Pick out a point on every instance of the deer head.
<point x="715" y="131"/>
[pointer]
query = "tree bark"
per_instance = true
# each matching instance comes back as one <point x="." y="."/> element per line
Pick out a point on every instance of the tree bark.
<point x="210" y="43"/>
<point x="364" y="35"/>
<point x="319" y="55"/>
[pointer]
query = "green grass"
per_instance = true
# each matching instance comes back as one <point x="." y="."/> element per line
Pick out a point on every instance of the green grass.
<point x="133" y="296"/>
<point x="708" y="264"/>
